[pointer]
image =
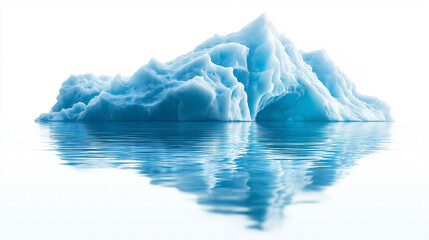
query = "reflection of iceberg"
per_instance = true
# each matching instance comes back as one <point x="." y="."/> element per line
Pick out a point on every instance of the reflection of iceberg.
<point x="234" y="168"/>
<point x="253" y="74"/>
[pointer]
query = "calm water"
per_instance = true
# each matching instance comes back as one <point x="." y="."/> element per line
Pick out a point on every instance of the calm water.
<point x="214" y="180"/>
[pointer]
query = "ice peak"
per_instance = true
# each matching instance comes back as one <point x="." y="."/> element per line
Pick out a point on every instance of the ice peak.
<point x="261" y="25"/>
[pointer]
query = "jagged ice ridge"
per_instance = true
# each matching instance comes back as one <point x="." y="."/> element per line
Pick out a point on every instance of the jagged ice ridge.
<point x="253" y="74"/>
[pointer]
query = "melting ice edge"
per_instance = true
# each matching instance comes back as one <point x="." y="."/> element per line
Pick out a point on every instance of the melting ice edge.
<point x="253" y="74"/>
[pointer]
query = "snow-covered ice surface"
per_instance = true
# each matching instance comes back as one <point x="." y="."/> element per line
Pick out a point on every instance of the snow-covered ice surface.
<point x="253" y="74"/>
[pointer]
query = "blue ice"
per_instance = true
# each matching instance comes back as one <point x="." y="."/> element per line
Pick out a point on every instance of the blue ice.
<point x="253" y="74"/>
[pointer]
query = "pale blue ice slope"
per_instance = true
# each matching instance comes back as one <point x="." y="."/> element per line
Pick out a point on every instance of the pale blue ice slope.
<point x="253" y="74"/>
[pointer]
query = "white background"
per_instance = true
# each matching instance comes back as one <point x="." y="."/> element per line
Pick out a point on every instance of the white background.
<point x="383" y="46"/>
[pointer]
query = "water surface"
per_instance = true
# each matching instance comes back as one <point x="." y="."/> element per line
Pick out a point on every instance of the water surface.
<point x="253" y="170"/>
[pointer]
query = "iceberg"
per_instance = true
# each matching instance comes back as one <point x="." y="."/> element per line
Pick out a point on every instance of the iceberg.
<point x="255" y="74"/>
